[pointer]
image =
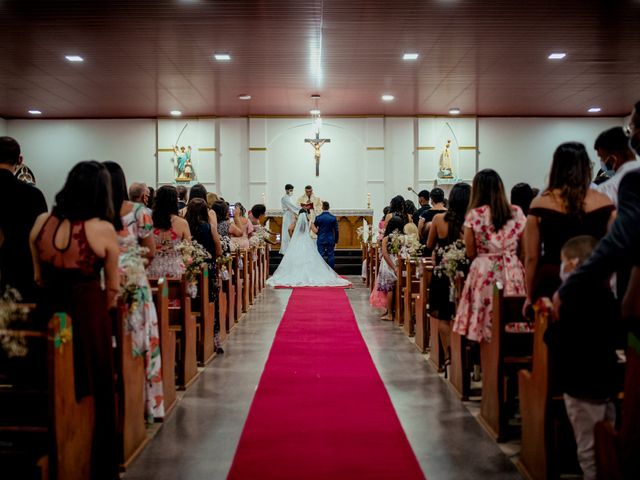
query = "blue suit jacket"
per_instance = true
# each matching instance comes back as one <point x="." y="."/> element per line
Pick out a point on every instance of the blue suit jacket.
<point x="327" y="228"/>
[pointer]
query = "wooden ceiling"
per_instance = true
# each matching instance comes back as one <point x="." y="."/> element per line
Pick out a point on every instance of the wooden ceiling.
<point x="144" y="58"/>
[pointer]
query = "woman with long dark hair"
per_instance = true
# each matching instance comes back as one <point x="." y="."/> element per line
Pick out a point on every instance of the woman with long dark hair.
<point x="243" y="226"/>
<point x="396" y="209"/>
<point x="134" y="227"/>
<point x="383" y="293"/>
<point x="492" y="232"/>
<point x="168" y="230"/>
<point x="567" y="208"/>
<point x="445" y="229"/>
<point x="71" y="247"/>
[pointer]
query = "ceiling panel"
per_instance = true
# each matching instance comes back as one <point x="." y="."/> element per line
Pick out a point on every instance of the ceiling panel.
<point x="144" y="58"/>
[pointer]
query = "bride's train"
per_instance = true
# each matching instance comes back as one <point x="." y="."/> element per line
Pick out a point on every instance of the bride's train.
<point x="302" y="265"/>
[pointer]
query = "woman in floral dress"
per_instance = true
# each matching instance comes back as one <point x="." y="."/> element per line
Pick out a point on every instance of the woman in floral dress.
<point x="134" y="228"/>
<point x="492" y="232"/>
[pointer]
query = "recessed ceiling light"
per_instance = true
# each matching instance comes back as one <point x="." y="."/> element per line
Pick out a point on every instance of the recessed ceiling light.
<point x="35" y="112"/>
<point x="557" y="56"/>
<point x="387" y="97"/>
<point x="410" y="56"/>
<point x="594" y="110"/>
<point x="175" y="113"/>
<point x="222" y="57"/>
<point x="315" y="111"/>
<point x="315" y="96"/>
<point x="74" y="58"/>
<point x="244" y="96"/>
<point x="454" y="111"/>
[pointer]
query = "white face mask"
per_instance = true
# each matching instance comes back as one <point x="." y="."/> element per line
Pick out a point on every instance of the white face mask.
<point x="290" y="192"/>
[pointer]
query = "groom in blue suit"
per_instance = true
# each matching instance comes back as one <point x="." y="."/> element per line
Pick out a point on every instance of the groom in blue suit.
<point x="326" y="227"/>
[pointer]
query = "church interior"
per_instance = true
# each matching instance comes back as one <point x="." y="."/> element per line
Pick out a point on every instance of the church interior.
<point x="465" y="173"/>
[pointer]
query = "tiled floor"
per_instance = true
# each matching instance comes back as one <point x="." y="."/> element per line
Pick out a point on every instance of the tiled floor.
<point x="199" y="439"/>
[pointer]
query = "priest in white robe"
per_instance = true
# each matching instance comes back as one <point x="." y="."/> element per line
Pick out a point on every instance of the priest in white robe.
<point x="311" y="204"/>
<point x="289" y="212"/>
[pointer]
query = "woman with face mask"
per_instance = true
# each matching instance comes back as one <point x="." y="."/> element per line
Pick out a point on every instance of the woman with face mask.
<point x="567" y="208"/>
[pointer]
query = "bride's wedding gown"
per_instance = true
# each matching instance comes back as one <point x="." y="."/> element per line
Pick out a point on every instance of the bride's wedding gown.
<point x="302" y="265"/>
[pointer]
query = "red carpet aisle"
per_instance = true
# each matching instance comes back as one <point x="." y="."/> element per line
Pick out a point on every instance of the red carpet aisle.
<point x="321" y="410"/>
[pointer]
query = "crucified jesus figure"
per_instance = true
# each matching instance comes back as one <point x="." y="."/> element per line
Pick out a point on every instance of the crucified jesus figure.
<point x="316" y="143"/>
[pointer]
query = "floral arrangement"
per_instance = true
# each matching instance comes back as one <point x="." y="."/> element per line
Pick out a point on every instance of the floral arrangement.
<point x="259" y="238"/>
<point x="454" y="263"/>
<point x="366" y="233"/>
<point x="405" y="246"/>
<point x="225" y="259"/>
<point x="134" y="290"/>
<point x="11" y="312"/>
<point x="194" y="257"/>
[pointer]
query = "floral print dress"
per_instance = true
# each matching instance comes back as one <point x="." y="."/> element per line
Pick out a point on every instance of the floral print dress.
<point x="143" y="323"/>
<point x="497" y="261"/>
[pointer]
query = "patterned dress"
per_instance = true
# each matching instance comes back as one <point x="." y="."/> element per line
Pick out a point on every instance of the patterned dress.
<point x="496" y="261"/>
<point x="167" y="261"/>
<point x="143" y="324"/>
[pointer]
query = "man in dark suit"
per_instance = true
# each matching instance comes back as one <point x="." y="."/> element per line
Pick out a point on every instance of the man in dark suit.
<point x="326" y="227"/>
<point x="20" y="204"/>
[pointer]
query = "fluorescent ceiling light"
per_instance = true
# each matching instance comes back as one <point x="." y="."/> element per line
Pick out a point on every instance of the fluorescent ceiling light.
<point x="387" y="97"/>
<point x="315" y="111"/>
<point x="454" y="111"/>
<point x="35" y="112"/>
<point x="594" y="110"/>
<point x="175" y="113"/>
<point x="74" y="58"/>
<point x="222" y="57"/>
<point x="557" y="56"/>
<point x="410" y="56"/>
<point x="244" y="96"/>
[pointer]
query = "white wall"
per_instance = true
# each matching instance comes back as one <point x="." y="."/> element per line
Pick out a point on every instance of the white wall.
<point x="3" y="127"/>
<point x="521" y="149"/>
<point x="52" y="147"/>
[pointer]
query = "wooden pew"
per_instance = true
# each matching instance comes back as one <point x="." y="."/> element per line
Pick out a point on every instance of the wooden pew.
<point x="203" y="312"/>
<point x="239" y="287"/>
<point x="160" y="290"/>
<point x="230" y="291"/>
<point x="246" y="281"/>
<point x="398" y="300"/>
<point x="375" y="264"/>
<point x="223" y="305"/>
<point x="501" y="359"/>
<point x="44" y="432"/>
<point x="410" y="293"/>
<point x="548" y="445"/>
<point x="183" y="323"/>
<point x="617" y="452"/>
<point x="130" y="394"/>
<point x="422" y="302"/>
<point x="460" y="368"/>
<point x="365" y="262"/>
<point x="253" y="286"/>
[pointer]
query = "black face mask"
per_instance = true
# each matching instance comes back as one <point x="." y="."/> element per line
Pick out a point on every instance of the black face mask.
<point x="634" y="143"/>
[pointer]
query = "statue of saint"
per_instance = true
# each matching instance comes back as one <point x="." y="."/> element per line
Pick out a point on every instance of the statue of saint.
<point x="445" y="169"/>
<point x="182" y="162"/>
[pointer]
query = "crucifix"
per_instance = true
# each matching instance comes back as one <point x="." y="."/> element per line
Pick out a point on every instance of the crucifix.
<point x="316" y="143"/>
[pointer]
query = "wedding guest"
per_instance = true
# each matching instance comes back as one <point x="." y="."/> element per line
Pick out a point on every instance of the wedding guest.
<point x="257" y="214"/>
<point x="396" y="208"/>
<point x="134" y="226"/>
<point x="522" y="196"/>
<point x="211" y="199"/>
<point x="169" y="229"/>
<point x="139" y="193"/>
<point x="446" y="228"/>
<point x="71" y="246"/>
<point x="225" y="226"/>
<point x="582" y="354"/>
<point x="409" y="210"/>
<point x="616" y="158"/>
<point x="492" y="231"/>
<point x="202" y="232"/>
<point x="151" y="199"/>
<point x="567" y="208"/>
<point x="182" y="197"/>
<point x="437" y="207"/>
<point x="20" y="205"/>
<point x="382" y="223"/>
<point x="383" y="294"/>
<point x="535" y="191"/>
<point x="423" y="201"/>
<point x="243" y="225"/>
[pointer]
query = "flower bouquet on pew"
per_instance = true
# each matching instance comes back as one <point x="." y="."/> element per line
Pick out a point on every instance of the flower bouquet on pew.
<point x="134" y="289"/>
<point x="454" y="264"/>
<point x="195" y="259"/>
<point x="366" y="234"/>
<point x="259" y="238"/>
<point x="407" y="247"/>
<point x="11" y="313"/>
<point x="225" y="259"/>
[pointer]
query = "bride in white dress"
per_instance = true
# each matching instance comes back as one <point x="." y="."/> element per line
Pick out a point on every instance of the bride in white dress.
<point x="302" y="265"/>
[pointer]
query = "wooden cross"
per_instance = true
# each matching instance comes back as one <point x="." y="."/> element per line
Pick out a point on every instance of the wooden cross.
<point x="317" y="143"/>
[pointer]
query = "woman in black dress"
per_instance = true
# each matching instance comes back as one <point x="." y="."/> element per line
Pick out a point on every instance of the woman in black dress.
<point x="445" y="229"/>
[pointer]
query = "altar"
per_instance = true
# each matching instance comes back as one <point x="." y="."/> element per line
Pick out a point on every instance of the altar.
<point x="348" y="223"/>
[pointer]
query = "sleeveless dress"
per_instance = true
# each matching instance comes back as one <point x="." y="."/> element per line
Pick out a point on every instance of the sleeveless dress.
<point x="497" y="261"/>
<point x="385" y="283"/>
<point x="440" y="305"/>
<point x="243" y="241"/>
<point x="202" y="235"/>
<point x="145" y="334"/>
<point x="71" y="277"/>
<point x="555" y="229"/>
<point x="167" y="261"/>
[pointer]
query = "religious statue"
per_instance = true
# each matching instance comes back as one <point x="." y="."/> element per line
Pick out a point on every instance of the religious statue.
<point x="445" y="168"/>
<point x="316" y="143"/>
<point x="182" y="162"/>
